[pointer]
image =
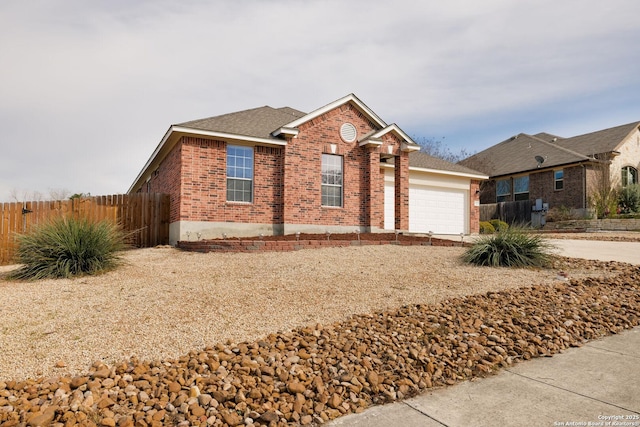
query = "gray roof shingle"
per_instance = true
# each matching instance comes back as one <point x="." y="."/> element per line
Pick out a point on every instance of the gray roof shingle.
<point x="518" y="154"/>
<point x="418" y="159"/>
<point x="256" y="122"/>
<point x="602" y="141"/>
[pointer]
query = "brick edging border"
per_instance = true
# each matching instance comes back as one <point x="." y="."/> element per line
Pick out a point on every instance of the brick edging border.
<point x="295" y="245"/>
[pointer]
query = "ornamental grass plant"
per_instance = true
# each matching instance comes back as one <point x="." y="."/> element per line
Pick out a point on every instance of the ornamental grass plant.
<point x="513" y="247"/>
<point x="66" y="247"/>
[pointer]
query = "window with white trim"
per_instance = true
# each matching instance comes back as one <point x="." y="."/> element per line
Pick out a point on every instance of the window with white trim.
<point x="521" y="187"/>
<point x="629" y="176"/>
<point x="331" y="180"/>
<point x="239" y="174"/>
<point x="558" y="179"/>
<point x="503" y="190"/>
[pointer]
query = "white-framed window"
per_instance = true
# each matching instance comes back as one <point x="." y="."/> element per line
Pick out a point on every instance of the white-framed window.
<point x="558" y="179"/>
<point x="503" y="190"/>
<point x="521" y="187"/>
<point x="239" y="174"/>
<point x="629" y="176"/>
<point x="331" y="180"/>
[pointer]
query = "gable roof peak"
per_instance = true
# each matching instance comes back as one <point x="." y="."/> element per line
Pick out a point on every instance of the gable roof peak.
<point x="350" y="98"/>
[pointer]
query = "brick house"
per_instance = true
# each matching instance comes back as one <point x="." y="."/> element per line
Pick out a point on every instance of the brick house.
<point x="279" y="171"/>
<point x="564" y="172"/>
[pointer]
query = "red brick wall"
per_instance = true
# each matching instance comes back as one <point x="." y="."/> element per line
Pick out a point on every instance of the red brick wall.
<point x="167" y="180"/>
<point x="373" y="182"/>
<point x="204" y="182"/>
<point x="402" y="191"/>
<point x="303" y="172"/>
<point x="194" y="174"/>
<point x="287" y="180"/>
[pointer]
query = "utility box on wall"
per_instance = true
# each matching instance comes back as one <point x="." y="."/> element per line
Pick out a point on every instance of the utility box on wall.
<point x="539" y="214"/>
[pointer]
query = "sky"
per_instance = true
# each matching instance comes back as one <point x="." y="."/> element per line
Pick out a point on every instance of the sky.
<point x="89" y="88"/>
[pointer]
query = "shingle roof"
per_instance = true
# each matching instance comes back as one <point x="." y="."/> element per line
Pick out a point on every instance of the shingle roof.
<point x="418" y="159"/>
<point x="261" y="122"/>
<point x="256" y="122"/>
<point x="547" y="137"/>
<point x="602" y="141"/>
<point x="518" y="154"/>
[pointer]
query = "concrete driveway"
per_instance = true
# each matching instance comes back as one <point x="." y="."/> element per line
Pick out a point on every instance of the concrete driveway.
<point x="599" y="250"/>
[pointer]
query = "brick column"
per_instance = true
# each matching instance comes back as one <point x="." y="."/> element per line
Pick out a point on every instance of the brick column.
<point x="402" y="191"/>
<point x="374" y="197"/>
<point x="288" y="185"/>
<point x="474" y="214"/>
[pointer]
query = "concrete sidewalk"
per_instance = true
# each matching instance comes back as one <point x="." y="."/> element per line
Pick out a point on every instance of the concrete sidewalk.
<point x="597" y="383"/>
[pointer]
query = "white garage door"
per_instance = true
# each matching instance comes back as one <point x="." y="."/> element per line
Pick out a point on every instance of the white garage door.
<point x="442" y="211"/>
<point x="389" y="205"/>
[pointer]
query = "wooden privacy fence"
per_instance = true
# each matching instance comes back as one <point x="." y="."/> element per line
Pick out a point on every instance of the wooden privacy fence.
<point x="143" y="217"/>
<point x="510" y="212"/>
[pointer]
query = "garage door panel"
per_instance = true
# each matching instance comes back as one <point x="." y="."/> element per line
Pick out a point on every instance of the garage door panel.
<point x="389" y="206"/>
<point x="434" y="209"/>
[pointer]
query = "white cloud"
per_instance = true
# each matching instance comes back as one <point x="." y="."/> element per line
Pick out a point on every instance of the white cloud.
<point x="89" y="89"/>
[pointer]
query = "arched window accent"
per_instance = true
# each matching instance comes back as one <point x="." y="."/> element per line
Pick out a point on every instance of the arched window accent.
<point x="629" y="176"/>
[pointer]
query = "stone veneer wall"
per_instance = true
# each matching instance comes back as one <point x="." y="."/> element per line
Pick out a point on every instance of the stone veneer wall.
<point x="595" y="224"/>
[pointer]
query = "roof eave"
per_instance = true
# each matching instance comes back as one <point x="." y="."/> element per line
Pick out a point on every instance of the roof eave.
<point x="285" y="131"/>
<point x="151" y="160"/>
<point x="396" y="129"/>
<point x="181" y="130"/>
<point x="408" y="148"/>
<point x="229" y="136"/>
<point x="370" y="142"/>
<point x="322" y="110"/>
<point x="545" y="168"/>
<point x="450" y="173"/>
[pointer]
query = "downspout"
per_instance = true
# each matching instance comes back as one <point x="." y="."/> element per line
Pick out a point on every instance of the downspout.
<point x="584" y="184"/>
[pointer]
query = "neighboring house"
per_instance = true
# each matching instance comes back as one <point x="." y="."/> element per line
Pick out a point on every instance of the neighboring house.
<point x="564" y="172"/>
<point x="272" y="171"/>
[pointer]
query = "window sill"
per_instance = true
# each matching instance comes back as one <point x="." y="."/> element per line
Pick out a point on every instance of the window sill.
<point x="239" y="203"/>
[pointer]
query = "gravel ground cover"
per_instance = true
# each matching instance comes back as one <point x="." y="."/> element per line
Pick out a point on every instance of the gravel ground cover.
<point x="144" y="344"/>
<point x="165" y="302"/>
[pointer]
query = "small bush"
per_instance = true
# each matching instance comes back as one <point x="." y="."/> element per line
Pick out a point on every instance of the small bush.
<point x="499" y="225"/>
<point x="68" y="247"/>
<point x="560" y="213"/>
<point x="486" y="228"/>
<point x="629" y="199"/>
<point x="510" y="248"/>
<point x="605" y="205"/>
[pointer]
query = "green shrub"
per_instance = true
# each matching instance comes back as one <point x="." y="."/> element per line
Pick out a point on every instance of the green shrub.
<point x="68" y="247"/>
<point x="604" y="204"/>
<point x="499" y="225"/>
<point x="510" y="248"/>
<point x="560" y="213"/>
<point x="629" y="199"/>
<point x="486" y="228"/>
